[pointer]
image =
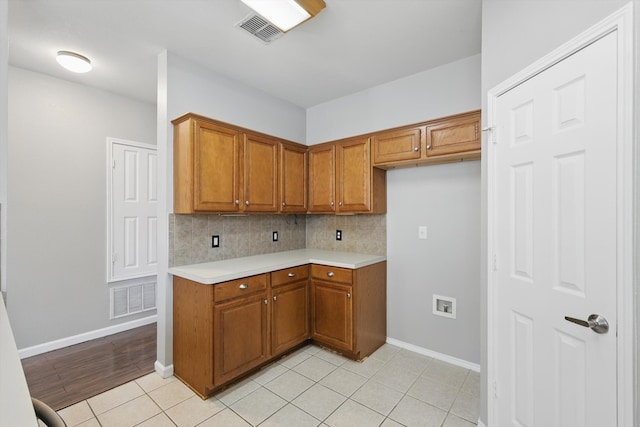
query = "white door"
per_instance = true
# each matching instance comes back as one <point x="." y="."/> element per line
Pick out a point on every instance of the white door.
<point x="134" y="218"/>
<point x="555" y="233"/>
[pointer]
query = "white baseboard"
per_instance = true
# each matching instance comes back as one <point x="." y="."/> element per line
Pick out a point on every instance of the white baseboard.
<point x="440" y="356"/>
<point x="86" y="336"/>
<point x="163" y="371"/>
<point x="481" y="424"/>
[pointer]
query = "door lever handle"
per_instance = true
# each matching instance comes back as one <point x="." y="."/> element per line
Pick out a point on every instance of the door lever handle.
<point x="595" y="322"/>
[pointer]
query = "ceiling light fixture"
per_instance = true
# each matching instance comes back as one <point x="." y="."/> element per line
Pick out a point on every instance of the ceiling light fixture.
<point x="74" y="62"/>
<point x="286" y="14"/>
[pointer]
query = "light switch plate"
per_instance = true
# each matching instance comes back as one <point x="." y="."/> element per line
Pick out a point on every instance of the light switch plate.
<point x="422" y="232"/>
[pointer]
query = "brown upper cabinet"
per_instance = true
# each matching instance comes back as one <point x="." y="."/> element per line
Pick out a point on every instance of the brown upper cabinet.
<point x="449" y="139"/>
<point x="220" y="168"/>
<point x="293" y="178"/>
<point x="260" y="167"/>
<point x="342" y="179"/>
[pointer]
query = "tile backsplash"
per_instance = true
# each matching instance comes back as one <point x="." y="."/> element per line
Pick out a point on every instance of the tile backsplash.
<point x="190" y="235"/>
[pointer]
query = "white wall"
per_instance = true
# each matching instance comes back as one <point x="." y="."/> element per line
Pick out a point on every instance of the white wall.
<point x="514" y="35"/>
<point x="442" y="91"/>
<point x="184" y="86"/>
<point x="445" y="198"/>
<point x="56" y="254"/>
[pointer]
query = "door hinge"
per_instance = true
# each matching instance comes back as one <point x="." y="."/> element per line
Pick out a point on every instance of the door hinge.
<point x="495" y="389"/>
<point x="114" y="257"/>
<point x="494" y="262"/>
<point x="113" y="165"/>
<point x="492" y="133"/>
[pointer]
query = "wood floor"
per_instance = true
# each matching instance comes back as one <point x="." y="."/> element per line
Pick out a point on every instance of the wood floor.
<point x="63" y="377"/>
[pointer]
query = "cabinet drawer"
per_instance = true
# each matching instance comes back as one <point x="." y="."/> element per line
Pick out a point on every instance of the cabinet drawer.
<point x="331" y="274"/>
<point x="289" y="275"/>
<point x="241" y="287"/>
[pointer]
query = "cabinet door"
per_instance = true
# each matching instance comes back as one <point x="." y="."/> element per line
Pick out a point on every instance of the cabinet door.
<point x="240" y="336"/>
<point x="290" y="316"/>
<point x="397" y="146"/>
<point x="332" y="314"/>
<point x="322" y="179"/>
<point x="353" y="176"/>
<point x="293" y="178"/>
<point x="260" y="183"/>
<point x="454" y="135"/>
<point x="215" y="168"/>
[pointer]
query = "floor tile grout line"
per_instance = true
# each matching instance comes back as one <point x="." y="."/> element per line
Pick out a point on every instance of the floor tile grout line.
<point x="288" y="401"/>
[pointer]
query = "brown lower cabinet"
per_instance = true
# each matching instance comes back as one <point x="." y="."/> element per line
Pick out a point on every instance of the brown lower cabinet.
<point x="224" y="331"/>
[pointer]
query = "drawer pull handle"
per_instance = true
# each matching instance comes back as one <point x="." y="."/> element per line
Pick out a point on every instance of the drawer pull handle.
<point x="275" y="297"/>
<point x="348" y="295"/>
<point x="330" y="274"/>
<point x="243" y="286"/>
<point x="291" y="274"/>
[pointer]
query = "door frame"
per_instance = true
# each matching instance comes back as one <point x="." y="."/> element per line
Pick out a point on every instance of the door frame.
<point x="622" y="22"/>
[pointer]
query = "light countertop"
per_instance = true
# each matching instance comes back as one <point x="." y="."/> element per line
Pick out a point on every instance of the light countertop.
<point x="230" y="269"/>
<point x="15" y="402"/>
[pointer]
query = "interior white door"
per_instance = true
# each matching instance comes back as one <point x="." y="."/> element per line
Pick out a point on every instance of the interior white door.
<point x="555" y="236"/>
<point x="134" y="212"/>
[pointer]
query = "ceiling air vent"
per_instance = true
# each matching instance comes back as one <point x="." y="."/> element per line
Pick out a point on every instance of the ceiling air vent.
<point x="259" y="27"/>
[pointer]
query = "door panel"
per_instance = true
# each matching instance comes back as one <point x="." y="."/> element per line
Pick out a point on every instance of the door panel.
<point x="555" y="221"/>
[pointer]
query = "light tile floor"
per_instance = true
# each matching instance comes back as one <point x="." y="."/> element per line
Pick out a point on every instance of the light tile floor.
<point x="311" y="387"/>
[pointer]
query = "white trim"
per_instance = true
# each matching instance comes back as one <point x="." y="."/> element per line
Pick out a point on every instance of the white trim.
<point x="439" y="356"/>
<point x="86" y="336"/>
<point x="163" y="371"/>
<point x="622" y="22"/>
<point x="110" y="143"/>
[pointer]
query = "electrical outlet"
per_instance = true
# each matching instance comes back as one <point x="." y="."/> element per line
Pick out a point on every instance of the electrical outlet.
<point x="338" y="234"/>
<point x="275" y="236"/>
<point x="215" y="241"/>
<point x="422" y="232"/>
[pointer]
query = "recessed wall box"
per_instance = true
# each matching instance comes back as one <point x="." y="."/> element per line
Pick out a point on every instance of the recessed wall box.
<point x="444" y="306"/>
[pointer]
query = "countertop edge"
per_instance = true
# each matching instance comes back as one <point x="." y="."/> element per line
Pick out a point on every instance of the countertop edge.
<point x="295" y="259"/>
<point x="16" y="408"/>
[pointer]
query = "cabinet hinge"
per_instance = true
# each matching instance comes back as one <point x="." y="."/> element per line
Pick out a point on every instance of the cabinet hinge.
<point x="113" y="164"/>
<point x="495" y="389"/>
<point x="494" y="262"/>
<point x="114" y="257"/>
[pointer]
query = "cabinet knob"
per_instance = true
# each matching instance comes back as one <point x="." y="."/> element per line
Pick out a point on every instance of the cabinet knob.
<point x="284" y="204"/>
<point x="237" y="202"/>
<point x="348" y="295"/>
<point x="340" y="204"/>
<point x="243" y="286"/>
<point x="331" y="203"/>
<point x="275" y="298"/>
<point x="429" y="147"/>
<point x="246" y="202"/>
<point x="416" y="148"/>
<point x="266" y="301"/>
<point x="330" y="273"/>
<point x="291" y="274"/>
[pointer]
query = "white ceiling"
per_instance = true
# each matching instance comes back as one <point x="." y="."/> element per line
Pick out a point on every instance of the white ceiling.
<point x="350" y="46"/>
